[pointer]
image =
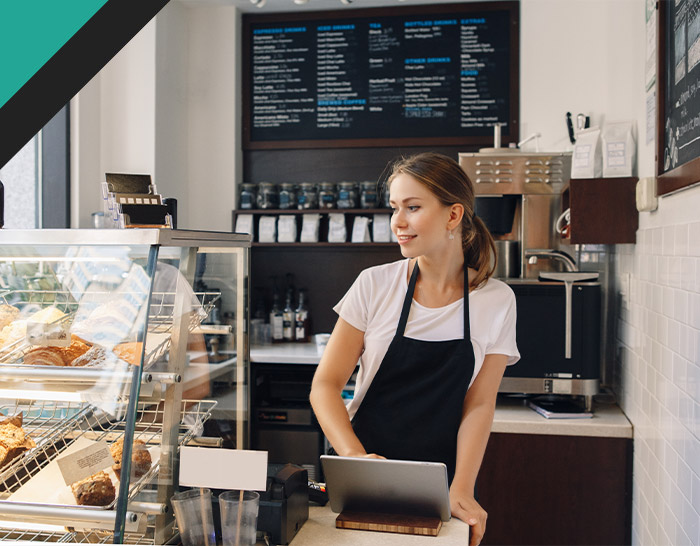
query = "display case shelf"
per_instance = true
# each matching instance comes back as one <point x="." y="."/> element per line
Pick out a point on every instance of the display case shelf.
<point x="154" y="290"/>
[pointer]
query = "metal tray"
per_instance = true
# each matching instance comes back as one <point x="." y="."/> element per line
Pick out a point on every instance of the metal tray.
<point x="160" y="319"/>
<point x="55" y="425"/>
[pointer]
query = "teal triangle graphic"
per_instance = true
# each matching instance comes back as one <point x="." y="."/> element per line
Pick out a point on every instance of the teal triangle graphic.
<point x="32" y="32"/>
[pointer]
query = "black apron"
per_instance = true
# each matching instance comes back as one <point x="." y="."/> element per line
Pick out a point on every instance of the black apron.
<point x="413" y="407"/>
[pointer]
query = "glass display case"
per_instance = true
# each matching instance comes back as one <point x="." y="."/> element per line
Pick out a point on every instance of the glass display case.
<point x="111" y="342"/>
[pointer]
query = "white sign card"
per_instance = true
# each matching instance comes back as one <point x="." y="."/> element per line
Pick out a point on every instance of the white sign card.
<point x="223" y="468"/>
<point x="86" y="462"/>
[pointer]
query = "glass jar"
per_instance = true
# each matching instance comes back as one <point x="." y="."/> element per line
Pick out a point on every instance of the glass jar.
<point x="326" y="196"/>
<point x="347" y="195"/>
<point x="369" y="199"/>
<point x="307" y="196"/>
<point x="288" y="196"/>
<point x="386" y="195"/>
<point x="249" y="197"/>
<point x="268" y="197"/>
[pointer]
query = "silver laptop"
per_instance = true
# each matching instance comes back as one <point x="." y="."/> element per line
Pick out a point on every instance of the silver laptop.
<point x="387" y="485"/>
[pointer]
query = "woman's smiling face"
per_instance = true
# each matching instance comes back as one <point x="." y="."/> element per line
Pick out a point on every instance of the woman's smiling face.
<point x="419" y="220"/>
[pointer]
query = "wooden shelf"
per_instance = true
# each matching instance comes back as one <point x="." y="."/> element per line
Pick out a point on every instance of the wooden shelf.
<point x="603" y="210"/>
<point x="325" y="245"/>
<point x="349" y="214"/>
<point x="272" y="212"/>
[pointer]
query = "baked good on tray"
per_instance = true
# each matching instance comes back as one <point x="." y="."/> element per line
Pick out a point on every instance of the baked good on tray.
<point x="13" y="439"/>
<point x="8" y="313"/>
<point x="140" y="457"/>
<point x="130" y="351"/>
<point x="95" y="490"/>
<point x="95" y="356"/>
<point x="17" y="329"/>
<point x="56" y="356"/>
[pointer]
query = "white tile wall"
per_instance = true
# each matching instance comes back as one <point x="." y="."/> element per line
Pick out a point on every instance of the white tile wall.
<point x="657" y="376"/>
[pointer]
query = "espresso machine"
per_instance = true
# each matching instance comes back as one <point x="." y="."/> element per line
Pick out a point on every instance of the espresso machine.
<point x="519" y="197"/>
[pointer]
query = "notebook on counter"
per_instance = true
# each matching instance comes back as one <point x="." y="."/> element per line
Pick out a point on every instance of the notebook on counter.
<point x="558" y="409"/>
<point x="387" y="486"/>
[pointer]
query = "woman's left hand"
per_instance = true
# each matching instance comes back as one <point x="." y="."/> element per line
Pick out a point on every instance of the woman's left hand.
<point x="468" y="510"/>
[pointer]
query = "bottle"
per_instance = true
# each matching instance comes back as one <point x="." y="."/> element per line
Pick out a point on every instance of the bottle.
<point x="288" y="320"/>
<point x="302" y="329"/>
<point x="276" y="319"/>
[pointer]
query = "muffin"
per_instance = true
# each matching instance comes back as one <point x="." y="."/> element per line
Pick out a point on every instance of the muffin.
<point x="96" y="490"/>
<point x="140" y="458"/>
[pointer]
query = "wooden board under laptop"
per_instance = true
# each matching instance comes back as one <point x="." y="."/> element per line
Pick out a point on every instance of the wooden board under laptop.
<point x="389" y="523"/>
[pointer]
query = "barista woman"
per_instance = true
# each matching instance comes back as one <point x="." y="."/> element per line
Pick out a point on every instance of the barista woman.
<point x="433" y="334"/>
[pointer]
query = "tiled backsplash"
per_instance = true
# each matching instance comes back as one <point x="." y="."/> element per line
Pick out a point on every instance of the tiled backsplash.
<point x="657" y="377"/>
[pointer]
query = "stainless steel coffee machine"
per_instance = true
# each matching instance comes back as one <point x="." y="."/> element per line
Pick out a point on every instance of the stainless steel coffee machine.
<point x="518" y="195"/>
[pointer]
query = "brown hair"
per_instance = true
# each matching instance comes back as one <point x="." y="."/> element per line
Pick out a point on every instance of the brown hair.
<point x="450" y="184"/>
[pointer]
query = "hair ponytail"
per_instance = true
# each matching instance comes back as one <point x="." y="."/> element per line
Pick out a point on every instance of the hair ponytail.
<point x="450" y="184"/>
<point x="479" y="249"/>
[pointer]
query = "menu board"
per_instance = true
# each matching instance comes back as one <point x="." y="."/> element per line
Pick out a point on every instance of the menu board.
<point x="682" y="83"/>
<point x="430" y="74"/>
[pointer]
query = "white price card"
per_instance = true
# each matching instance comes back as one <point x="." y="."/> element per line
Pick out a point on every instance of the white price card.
<point x="86" y="462"/>
<point x="223" y="468"/>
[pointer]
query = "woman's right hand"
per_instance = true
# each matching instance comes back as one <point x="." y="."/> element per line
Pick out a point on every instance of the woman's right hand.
<point x="364" y="455"/>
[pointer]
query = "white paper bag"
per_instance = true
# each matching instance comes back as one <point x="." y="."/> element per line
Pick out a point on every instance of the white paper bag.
<point x="360" y="230"/>
<point x="381" y="228"/>
<point x="309" y="228"/>
<point x="587" y="160"/>
<point x="337" y="233"/>
<point x="267" y="229"/>
<point x="619" y="149"/>
<point x="287" y="229"/>
<point x="244" y="224"/>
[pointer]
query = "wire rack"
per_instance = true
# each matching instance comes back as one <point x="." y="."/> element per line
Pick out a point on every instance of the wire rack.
<point x="73" y="537"/>
<point x="53" y="426"/>
<point x="160" y="317"/>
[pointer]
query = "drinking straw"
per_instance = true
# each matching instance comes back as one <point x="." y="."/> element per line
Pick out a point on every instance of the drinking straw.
<point x="204" y="515"/>
<point x="238" y="517"/>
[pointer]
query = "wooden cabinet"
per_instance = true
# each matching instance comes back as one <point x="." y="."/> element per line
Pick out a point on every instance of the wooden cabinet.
<point x="550" y="489"/>
<point x="603" y="210"/>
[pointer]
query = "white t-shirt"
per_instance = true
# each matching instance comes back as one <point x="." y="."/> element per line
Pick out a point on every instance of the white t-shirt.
<point x="373" y="305"/>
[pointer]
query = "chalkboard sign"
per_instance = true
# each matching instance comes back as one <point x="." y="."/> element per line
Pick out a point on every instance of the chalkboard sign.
<point x="678" y="116"/>
<point x="438" y="74"/>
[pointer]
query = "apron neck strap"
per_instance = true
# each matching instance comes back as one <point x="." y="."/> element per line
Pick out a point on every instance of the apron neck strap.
<point x="409" y="299"/>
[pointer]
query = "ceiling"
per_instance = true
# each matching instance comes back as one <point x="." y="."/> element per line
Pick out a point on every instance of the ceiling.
<point x="270" y="6"/>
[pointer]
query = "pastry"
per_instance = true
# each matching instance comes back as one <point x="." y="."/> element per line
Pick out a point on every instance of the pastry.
<point x="96" y="490"/>
<point x="17" y="329"/>
<point x="13" y="332"/>
<point x="8" y="313"/>
<point x="95" y="356"/>
<point x="13" y="440"/>
<point x="44" y="356"/>
<point x="140" y="457"/>
<point x="56" y="356"/>
<point x="131" y="352"/>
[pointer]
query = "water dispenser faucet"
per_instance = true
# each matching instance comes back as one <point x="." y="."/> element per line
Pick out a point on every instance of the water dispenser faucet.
<point x="533" y="254"/>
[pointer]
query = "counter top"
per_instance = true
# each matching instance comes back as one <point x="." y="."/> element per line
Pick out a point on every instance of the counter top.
<point x="320" y="530"/>
<point x="512" y="415"/>
<point x="286" y="353"/>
